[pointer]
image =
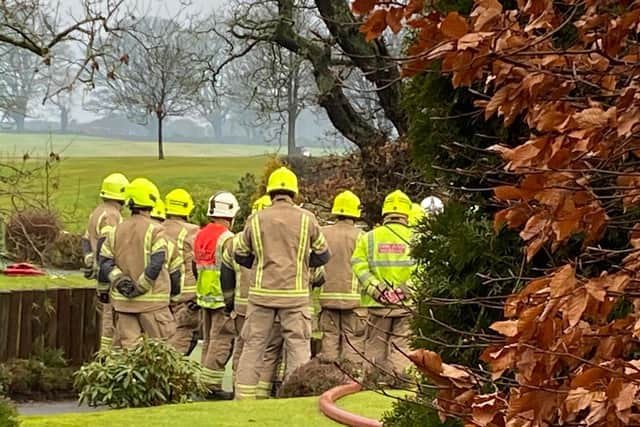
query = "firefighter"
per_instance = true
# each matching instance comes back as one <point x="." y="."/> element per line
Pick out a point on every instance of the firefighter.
<point x="285" y="242"/>
<point x="174" y="257"/>
<point x="218" y="326"/>
<point x="342" y="320"/>
<point x="133" y="259"/>
<point x="179" y="205"/>
<point x="102" y="221"/>
<point x="384" y="267"/>
<point x="236" y="302"/>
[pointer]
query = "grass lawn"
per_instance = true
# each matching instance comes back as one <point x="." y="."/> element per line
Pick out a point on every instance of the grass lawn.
<point x="263" y="413"/>
<point x="80" y="178"/>
<point x="68" y="145"/>
<point x="44" y="282"/>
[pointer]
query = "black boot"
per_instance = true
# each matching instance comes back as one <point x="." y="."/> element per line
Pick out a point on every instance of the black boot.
<point x="220" y="395"/>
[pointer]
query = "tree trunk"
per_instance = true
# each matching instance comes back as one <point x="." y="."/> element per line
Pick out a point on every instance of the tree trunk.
<point x="64" y="119"/>
<point x="18" y="119"/>
<point x="292" y="105"/>
<point x="160" y="148"/>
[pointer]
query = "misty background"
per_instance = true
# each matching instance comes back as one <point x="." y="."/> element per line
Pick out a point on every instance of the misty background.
<point x="243" y="115"/>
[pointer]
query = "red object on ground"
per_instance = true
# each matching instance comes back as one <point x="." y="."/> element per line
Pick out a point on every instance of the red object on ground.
<point x="22" y="269"/>
<point x="329" y="408"/>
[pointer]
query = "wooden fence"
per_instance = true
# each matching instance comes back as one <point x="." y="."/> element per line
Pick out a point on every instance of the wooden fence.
<point x="63" y="318"/>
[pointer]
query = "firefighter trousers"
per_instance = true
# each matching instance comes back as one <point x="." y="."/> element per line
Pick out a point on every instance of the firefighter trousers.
<point x="130" y="327"/>
<point x="218" y="334"/>
<point x="343" y="334"/>
<point x="257" y="334"/>
<point x="108" y="336"/>
<point x="387" y="340"/>
<point x="270" y="370"/>
<point x="187" y="327"/>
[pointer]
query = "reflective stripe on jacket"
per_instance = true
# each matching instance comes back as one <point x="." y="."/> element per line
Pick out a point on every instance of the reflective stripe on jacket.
<point x="184" y="234"/>
<point x="382" y="260"/>
<point x="209" y="245"/>
<point x="281" y="239"/>
<point x="132" y="250"/>
<point x="102" y="222"/>
<point x="244" y="277"/>
<point x="341" y="290"/>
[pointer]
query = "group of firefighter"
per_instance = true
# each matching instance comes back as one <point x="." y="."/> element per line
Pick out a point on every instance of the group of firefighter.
<point x="249" y="295"/>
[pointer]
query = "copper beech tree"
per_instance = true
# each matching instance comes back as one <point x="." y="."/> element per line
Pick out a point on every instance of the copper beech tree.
<point x="570" y="71"/>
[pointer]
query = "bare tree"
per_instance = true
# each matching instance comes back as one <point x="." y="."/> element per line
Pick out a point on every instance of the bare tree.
<point x="330" y="41"/>
<point x="162" y="76"/>
<point x="42" y="27"/>
<point x="20" y="83"/>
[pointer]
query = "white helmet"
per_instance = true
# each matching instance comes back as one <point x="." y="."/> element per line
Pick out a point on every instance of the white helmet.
<point x="432" y="205"/>
<point x="223" y="205"/>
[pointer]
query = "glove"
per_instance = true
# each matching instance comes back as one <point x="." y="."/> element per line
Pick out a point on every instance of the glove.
<point x="103" y="297"/>
<point x="193" y="305"/>
<point x="127" y="287"/>
<point x="228" y="308"/>
<point x="89" y="273"/>
<point x="390" y="296"/>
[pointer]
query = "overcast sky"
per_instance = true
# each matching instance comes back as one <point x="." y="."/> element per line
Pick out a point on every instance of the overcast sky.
<point x="165" y="8"/>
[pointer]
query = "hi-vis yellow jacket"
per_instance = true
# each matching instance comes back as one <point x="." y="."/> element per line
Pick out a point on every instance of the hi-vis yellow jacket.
<point x="382" y="261"/>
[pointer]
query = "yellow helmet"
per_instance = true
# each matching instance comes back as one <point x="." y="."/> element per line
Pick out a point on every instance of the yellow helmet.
<point x="282" y="179"/>
<point x="397" y="202"/>
<point x="261" y="203"/>
<point x="346" y="204"/>
<point x="159" y="211"/>
<point x="179" y="202"/>
<point x="417" y="213"/>
<point x="113" y="187"/>
<point x="142" y="193"/>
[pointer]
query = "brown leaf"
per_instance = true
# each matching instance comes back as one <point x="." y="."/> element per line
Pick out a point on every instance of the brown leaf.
<point x="507" y="192"/>
<point x="375" y="24"/>
<point x="575" y="306"/>
<point x="508" y="328"/>
<point x="578" y="399"/>
<point x="426" y="361"/>
<point x="414" y="6"/>
<point x="362" y="7"/>
<point x="454" y="26"/>
<point x="627" y="121"/>
<point x="485" y="408"/>
<point x="394" y="19"/>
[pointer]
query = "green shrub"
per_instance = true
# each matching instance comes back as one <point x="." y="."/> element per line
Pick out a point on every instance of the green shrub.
<point x="150" y="374"/>
<point x="416" y="411"/>
<point x="32" y="379"/>
<point x="244" y="192"/>
<point x="8" y="413"/>
<point x="5" y="379"/>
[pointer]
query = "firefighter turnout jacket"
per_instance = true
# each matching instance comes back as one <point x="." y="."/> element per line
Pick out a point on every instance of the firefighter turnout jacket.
<point x="102" y="222"/>
<point x="137" y="249"/>
<point x="341" y="289"/>
<point x="208" y="248"/>
<point x="183" y="234"/>
<point x="284" y="242"/>
<point x="382" y="260"/>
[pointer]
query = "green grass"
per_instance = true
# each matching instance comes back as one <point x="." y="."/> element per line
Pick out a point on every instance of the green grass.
<point x="43" y="282"/>
<point x="79" y="179"/>
<point x="69" y="145"/>
<point x="263" y="413"/>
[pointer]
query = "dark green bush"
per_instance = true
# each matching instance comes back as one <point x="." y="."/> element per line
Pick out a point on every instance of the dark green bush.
<point x="32" y="379"/>
<point x="5" y="379"/>
<point x="8" y="413"/>
<point x="150" y="374"/>
<point x="244" y="192"/>
<point x="416" y="411"/>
